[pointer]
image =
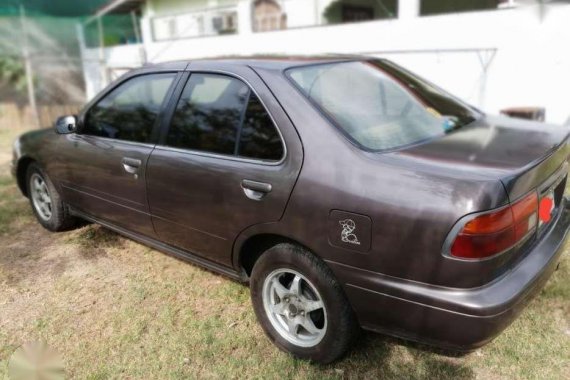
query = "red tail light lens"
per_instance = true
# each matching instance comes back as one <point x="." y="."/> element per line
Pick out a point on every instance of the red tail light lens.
<point x="491" y="233"/>
<point x="525" y="215"/>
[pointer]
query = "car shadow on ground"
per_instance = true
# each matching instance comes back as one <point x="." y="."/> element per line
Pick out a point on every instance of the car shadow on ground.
<point x="20" y="261"/>
<point x="374" y="354"/>
<point x="94" y="240"/>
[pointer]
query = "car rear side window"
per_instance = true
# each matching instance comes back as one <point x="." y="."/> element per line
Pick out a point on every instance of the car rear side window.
<point x="220" y="114"/>
<point x="258" y="137"/>
<point x="379" y="106"/>
<point x="130" y="110"/>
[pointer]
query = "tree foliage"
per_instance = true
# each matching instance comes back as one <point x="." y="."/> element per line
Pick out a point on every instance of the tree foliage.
<point x="13" y="73"/>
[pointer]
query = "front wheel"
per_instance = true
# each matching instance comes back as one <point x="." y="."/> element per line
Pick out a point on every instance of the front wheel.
<point x="49" y="209"/>
<point x="300" y="305"/>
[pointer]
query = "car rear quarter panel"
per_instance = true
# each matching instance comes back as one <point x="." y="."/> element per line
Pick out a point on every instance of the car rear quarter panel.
<point x="412" y="209"/>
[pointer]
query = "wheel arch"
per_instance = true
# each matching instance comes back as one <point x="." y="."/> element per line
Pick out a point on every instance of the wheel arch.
<point x="252" y="247"/>
<point x="21" y="171"/>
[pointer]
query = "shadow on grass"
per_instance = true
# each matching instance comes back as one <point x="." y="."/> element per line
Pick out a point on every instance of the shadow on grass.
<point x="26" y="259"/>
<point x="379" y="356"/>
<point x="94" y="240"/>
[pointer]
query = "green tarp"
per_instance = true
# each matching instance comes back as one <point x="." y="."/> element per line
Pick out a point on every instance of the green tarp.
<point x="57" y="8"/>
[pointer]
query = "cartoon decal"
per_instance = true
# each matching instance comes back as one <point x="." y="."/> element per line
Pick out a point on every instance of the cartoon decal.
<point x="349" y="231"/>
<point x="347" y="235"/>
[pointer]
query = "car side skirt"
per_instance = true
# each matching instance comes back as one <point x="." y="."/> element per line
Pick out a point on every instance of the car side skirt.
<point x="165" y="248"/>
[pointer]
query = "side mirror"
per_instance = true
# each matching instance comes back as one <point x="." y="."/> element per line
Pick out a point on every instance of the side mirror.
<point x="66" y="124"/>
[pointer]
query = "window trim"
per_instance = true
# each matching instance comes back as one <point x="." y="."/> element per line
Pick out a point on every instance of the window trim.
<point x="241" y="121"/>
<point x="161" y="144"/>
<point x="155" y="131"/>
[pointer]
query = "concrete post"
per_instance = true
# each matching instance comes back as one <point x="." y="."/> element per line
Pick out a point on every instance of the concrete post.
<point x="82" y="48"/>
<point x="102" y="60"/>
<point x="244" y="17"/>
<point x="408" y="9"/>
<point x="28" y="67"/>
<point x="147" y="37"/>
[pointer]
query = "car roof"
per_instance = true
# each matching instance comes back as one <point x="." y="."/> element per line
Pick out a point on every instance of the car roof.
<point x="260" y="61"/>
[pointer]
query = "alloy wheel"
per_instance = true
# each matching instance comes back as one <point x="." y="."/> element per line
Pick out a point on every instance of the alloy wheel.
<point x="40" y="196"/>
<point x="294" y="307"/>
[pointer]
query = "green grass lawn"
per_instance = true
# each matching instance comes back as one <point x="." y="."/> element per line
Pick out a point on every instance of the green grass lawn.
<point x="116" y="309"/>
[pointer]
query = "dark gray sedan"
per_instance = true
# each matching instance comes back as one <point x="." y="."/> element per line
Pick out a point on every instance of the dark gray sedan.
<point x="348" y="193"/>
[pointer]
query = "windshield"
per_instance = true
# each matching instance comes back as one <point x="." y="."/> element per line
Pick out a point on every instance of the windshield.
<point x="379" y="105"/>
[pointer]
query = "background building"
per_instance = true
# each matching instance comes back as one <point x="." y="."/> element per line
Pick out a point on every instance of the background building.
<point x="493" y="53"/>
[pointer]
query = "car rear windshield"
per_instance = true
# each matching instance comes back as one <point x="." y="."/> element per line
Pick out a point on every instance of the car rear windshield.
<point x="379" y="105"/>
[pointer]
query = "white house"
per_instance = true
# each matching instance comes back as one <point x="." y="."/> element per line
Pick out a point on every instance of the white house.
<point x="493" y="53"/>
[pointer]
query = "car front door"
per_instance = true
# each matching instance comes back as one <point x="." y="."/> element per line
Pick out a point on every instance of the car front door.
<point x="105" y="161"/>
<point x="228" y="160"/>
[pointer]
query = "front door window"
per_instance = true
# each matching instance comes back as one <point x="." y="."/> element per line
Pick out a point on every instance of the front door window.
<point x="129" y="111"/>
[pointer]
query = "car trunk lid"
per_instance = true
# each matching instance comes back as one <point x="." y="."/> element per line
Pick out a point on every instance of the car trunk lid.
<point x="523" y="155"/>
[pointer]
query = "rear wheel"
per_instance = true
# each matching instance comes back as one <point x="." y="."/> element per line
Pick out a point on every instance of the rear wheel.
<point x="300" y="305"/>
<point x="49" y="209"/>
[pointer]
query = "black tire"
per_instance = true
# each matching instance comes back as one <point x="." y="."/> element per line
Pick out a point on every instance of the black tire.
<point x="60" y="219"/>
<point x="341" y="328"/>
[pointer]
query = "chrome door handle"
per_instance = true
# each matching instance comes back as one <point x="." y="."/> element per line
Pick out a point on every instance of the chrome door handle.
<point x="131" y="165"/>
<point x="255" y="190"/>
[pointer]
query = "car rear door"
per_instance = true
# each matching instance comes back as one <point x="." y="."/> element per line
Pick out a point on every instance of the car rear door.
<point x="228" y="159"/>
<point x="104" y="163"/>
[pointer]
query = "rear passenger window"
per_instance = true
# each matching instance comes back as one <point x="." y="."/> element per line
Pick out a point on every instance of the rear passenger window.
<point x="219" y="114"/>
<point x="130" y="110"/>
<point x="208" y="115"/>
<point x="259" y="138"/>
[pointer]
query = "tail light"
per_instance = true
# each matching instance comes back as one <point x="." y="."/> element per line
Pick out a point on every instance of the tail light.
<point x="494" y="232"/>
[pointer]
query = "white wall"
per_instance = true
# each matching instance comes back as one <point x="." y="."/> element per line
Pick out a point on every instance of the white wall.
<point x="530" y="63"/>
<point x="300" y="13"/>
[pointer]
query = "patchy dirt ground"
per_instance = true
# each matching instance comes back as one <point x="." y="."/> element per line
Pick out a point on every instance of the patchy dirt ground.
<point x="116" y="309"/>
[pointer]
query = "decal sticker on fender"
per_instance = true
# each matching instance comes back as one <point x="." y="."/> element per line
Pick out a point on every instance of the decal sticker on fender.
<point x="349" y="230"/>
<point x="347" y="234"/>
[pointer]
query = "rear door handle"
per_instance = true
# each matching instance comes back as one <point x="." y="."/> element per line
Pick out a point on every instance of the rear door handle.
<point x="255" y="190"/>
<point x="131" y="165"/>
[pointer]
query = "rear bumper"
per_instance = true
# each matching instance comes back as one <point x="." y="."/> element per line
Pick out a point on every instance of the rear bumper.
<point x="461" y="319"/>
